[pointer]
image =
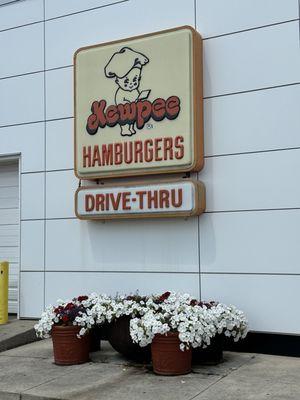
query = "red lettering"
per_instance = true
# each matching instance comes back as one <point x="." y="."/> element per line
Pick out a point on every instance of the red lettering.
<point x="100" y="198"/>
<point x="138" y="151"/>
<point x="157" y="149"/>
<point x="127" y="113"/>
<point x="158" y="109"/>
<point x="152" y="199"/>
<point x="107" y="154"/>
<point x="87" y="156"/>
<point x="126" y="200"/>
<point x="118" y="153"/>
<point x="128" y="152"/>
<point x="180" y="146"/>
<point x="97" y="118"/>
<point x="112" y="115"/>
<point x="172" y="107"/>
<point x="148" y="151"/>
<point x="96" y="156"/>
<point x="106" y="201"/>
<point x="135" y="112"/>
<point x="89" y="202"/>
<point x="168" y="148"/>
<point x="141" y="195"/>
<point x="164" y="198"/>
<point x="143" y="111"/>
<point x="115" y="202"/>
<point x="176" y="203"/>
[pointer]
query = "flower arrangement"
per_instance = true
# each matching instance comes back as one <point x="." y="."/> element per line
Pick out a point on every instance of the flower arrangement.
<point x="173" y="312"/>
<point x="77" y="311"/>
<point x="108" y="309"/>
<point x="230" y="321"/>
<point x="196" y="322"/>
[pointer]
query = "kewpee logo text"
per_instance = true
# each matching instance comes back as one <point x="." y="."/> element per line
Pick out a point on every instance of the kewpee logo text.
<point x="134" y="113"/>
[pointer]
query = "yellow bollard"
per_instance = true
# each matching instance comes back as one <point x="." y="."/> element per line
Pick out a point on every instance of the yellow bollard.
<point x="3" y="292"/>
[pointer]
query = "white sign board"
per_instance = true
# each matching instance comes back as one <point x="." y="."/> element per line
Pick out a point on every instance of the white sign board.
<point x="184" y="197"/>
<point x="138" y="105"/>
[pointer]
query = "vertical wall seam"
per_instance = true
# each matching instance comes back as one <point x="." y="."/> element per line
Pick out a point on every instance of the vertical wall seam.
<point x="198" y="217"/>
<point x="45" y="151"/>
<point x="299" y="21"/>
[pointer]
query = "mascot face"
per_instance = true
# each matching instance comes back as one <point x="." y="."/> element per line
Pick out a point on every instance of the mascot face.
<point x="130" y="81"/>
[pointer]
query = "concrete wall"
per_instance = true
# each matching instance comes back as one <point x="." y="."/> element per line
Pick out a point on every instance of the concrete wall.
<point x="245" y="248"/>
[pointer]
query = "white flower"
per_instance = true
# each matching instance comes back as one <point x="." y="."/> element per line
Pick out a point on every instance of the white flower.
<point x="195" y="323"/>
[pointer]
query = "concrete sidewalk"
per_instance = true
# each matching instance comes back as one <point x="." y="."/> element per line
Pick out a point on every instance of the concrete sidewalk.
<point x="16" y="333"/>
<point x="28" y="373"/>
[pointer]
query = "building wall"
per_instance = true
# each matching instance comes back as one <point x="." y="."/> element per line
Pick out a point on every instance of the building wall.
<point x="244" y="249"/>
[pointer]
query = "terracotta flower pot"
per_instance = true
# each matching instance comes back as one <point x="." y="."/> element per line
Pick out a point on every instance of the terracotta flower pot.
<point x="167" y="358"/>
<point x="118" y="334"/>
<point x="67" y="348"/>
<point x="213" y="354"/>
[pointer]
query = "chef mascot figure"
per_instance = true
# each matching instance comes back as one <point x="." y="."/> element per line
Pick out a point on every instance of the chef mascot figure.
<point x="126" y="67"/>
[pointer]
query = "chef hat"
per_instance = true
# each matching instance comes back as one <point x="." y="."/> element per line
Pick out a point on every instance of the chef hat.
<point x="123" y="61"/>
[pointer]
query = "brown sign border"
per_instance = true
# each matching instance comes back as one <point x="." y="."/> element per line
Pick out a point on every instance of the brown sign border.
<point x="198" y="154"/>
<point x="199" y="208"/>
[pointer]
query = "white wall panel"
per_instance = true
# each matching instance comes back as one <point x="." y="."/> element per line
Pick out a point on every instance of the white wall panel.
<point x="253" y="59"/>
<point x="60" y="191"/>
<point x="27" y="140"/>
<point x="216" y="17"/>
<point x="111" y="283"/>
<point x="55" y="8"/>
<point x="270" y="302"/>
<point x="32" y="245"/>
<point x="252" y="181"/>
<point x="32" y="294"/>
<point x="255" y="242"/>
<point x="22" y="50"/>
<point x="60" y="144"/>
<point x="262" y="120"/>
<point x="155" y="245"/>
<point x="21" y="13"/>
<point x="115" y="22"/>
<point x="32" y="196"/>
<point x="59" y="93"/>
<point x="22" y="99"/>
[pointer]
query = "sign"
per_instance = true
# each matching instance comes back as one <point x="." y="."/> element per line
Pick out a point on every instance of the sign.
<point x="138" y="105"/>
<point x="184" y="197"/>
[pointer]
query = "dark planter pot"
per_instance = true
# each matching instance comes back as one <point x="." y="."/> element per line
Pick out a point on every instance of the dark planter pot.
<point x="67" y="348"/>
<point x="213" y="354"/>
<point x="95" y="339"/>
<point x="167" y="358"/>
<point x="103" y="331"/>
<point x="120" y="339"/>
